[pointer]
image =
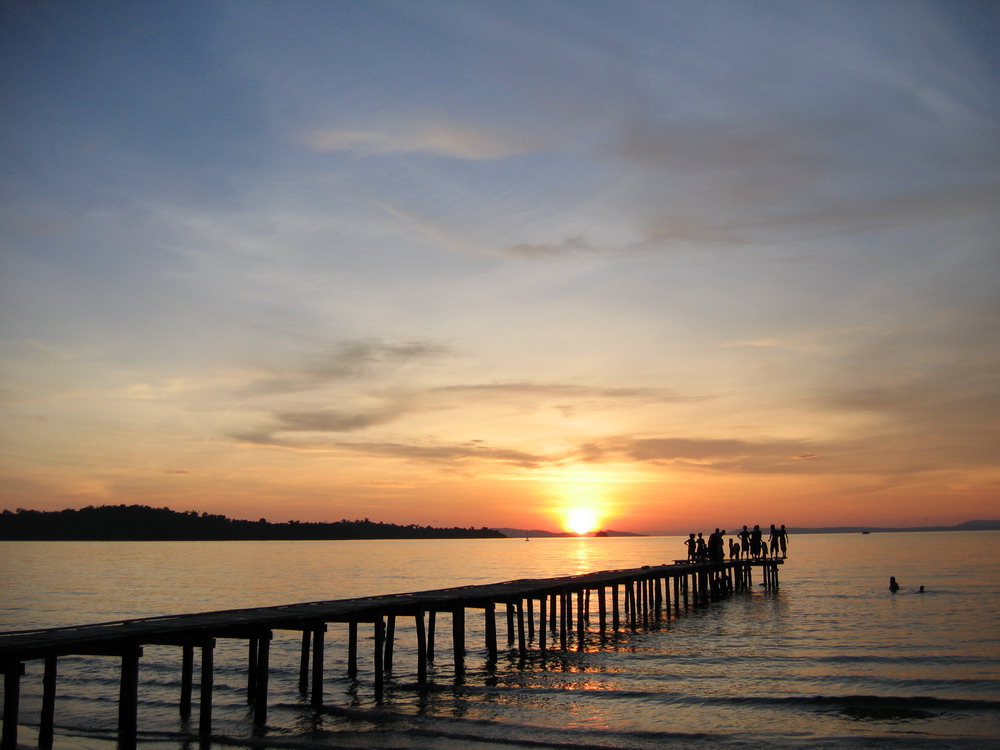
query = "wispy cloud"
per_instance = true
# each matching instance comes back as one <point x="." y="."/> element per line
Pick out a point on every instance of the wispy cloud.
<point x="454" y="140"/>
<point x="347" y="360"/>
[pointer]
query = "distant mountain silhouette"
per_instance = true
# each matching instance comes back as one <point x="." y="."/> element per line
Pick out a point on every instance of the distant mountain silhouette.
<point x="142" y="523"/>
<point x="541" y="533"/>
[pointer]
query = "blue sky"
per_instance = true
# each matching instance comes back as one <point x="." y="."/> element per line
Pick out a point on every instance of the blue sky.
<point x="483" y="263"/>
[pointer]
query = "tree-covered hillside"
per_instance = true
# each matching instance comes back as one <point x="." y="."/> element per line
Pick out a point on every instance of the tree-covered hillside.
<point x="142" y="523"/>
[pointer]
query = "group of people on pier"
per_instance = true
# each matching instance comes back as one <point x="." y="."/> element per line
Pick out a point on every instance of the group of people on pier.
<point x="751" y="545"/>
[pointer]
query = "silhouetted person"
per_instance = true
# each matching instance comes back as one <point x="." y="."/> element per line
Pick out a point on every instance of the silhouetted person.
<point x="716" y="546"/>
<point x="772" y="540"/>
<point x="734" y="550"/>
<point x="893" y="586"/>
<point x="920" y="590"/>
<point x="692" y="546"/>
<point x="702" y="552"/>
<point x="783" y="540"/>
<point x="755" y="542"/>
<point x="744" y="537"/>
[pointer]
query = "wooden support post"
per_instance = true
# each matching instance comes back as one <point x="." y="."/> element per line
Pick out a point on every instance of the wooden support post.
<point x="422" y="647"/>
<point x="304" y="660"/>
<point x="521" y="644"/>
<point x="187" y="678"/>
<point x="47" y="718"/>
<point x="615" y="610"/>
<point x="531" y="618"/>
<point x="261" y="679"/>
<point x="644" y="587"/>
<point x="128" y="699"/>
<point x="458" y="638"/>
<point x="602" y="609"/>
<point x="431" y="627"/>
<point x="581" y="619"/>
<point x="207" y="682"/>
<point x="510" y="623"/>
<point x="563" y="596"/>
<point x="552" y="612"/>
<point x="253" y="650"/>
<point x="317" y="664"/>
<point x="541" y="625"/>
<point x="352" y="649"/>
<point x="11" y="704"/>
<point x="491" y="631"/>
<point x="390" y="641"/>
<point x="633" y="610"/>
<point x="379" y="632"/>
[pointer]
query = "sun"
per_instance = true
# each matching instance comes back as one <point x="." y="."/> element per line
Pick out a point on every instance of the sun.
<point x="580" y="520"/>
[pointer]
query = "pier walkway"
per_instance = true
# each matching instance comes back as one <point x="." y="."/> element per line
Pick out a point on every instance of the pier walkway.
<point x="559" y="606"/>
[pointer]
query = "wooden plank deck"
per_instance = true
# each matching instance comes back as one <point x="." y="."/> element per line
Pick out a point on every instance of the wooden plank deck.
<point x="697" y="583"/>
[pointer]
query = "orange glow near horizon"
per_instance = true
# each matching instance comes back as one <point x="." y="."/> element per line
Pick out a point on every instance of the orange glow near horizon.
<point x="581" y="520"/>
<point x="582" y="505"/>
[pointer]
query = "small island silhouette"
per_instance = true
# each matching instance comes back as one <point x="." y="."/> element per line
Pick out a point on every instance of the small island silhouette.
<point x="143" y="523"/>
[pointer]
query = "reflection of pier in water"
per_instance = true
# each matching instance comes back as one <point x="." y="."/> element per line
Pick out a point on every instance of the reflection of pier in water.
<point x="625" y="599"/>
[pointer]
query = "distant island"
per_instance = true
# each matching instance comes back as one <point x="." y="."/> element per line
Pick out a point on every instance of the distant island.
<point x="966" y="526"/>
<point x="143" y="523"/>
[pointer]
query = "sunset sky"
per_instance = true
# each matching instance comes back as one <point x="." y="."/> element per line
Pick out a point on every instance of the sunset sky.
<point x="673" y="264"/>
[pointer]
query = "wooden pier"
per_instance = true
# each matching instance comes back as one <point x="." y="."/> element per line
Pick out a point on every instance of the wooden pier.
<point x="625" y="599"/>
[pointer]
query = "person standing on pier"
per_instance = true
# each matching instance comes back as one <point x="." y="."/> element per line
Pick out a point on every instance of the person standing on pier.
<point x="744" y="537"/>
<point x="783" y="541"/>
<point x="692" y="546"/>
<point x="772" y="540"/>
<point x="755" y="542"/>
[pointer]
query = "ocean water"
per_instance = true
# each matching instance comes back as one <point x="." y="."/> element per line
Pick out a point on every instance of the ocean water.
<point x="830" y="659"/>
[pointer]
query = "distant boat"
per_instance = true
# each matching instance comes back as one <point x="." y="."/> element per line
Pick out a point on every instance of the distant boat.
<point x="866" y="532"/>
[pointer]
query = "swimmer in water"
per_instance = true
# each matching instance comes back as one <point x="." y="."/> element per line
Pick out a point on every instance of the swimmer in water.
<point x="893" y="586"/>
